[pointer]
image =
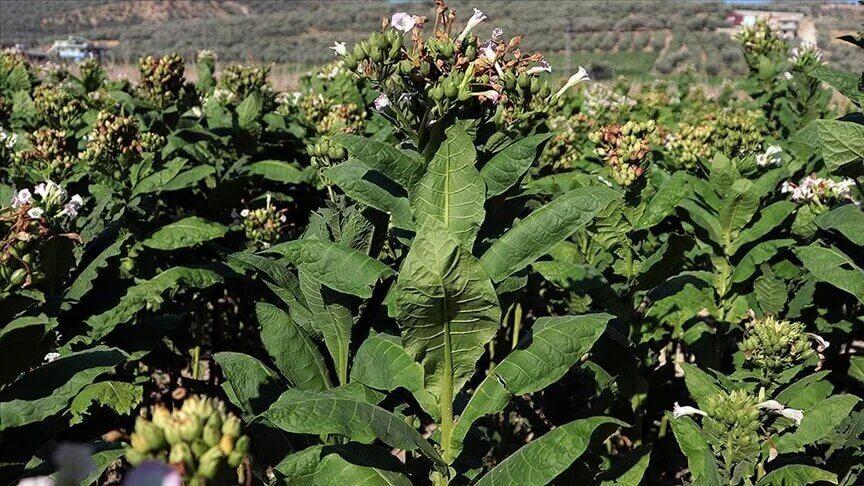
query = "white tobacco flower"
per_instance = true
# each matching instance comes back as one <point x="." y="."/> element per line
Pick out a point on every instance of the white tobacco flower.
<point x="770" y="157"/>
<point x="489" y="52"/>
<point x="496" y="34"/>
<point x="402" y="21"/>
<point x="51" y="357"/>
<point x="339" y="48"/>
<point x="679" y="411"/>
<point x="37" y="481"/>
<point x="490" y="95"/>
<point x="787" y="76"/>
<point x="72" y="207"/>
<point x="472" y="22"/>
<point x="544" y="67"/>
<point x="35" y="213"/>
<point x="244" y="213"/>
<point x="381" y="102"/>
<point x="153" y="473"/>
<point x="581" y="76"/>
<point x="774" y="406"/>
<point x="21" y="198"/>
<point x="821" y="343"/>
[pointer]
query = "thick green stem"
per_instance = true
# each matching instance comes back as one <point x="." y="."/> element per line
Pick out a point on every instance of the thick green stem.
<point x="445" y="403"/>
<point x="196" y="356"/>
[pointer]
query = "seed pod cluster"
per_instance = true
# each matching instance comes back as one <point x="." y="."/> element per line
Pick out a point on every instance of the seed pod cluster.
<point x="52" y="154"/>
<point x="240" y="81"/>
<point x="326" y="153"/>
<point x="57" y="105"/>
<point x="161" y="78"/>
<point x="568" y="146"/>
<point x="689" y="144"/>
<point x="732" y="426"/>
<point x="264" y="226"/>
<point x="776" y="345"/>
<point x="200" y="439"/>
<point x="113" y="143"/>
<point x="762" y="39"/>
<point x="626" y="149"/>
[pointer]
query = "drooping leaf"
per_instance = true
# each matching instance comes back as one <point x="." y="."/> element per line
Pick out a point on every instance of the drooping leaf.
<point x="139" y="295"/>
<point x="249" y="384"/>
<point x="541" y="460"/>
<point x="346" y="464"/>
<point x="758" y="255"/>
<point x="373" y="189"/>
<point x="629" y="470"/>
<point x="403" y="168"/>
<point x="842" y="143"/>
<point x="187" y="232"/>
<point x="119" y="396"/>
<point x="848" y="220"/>
<point x="335" y="265"/>
<point x="541" y="230"/>
<point x="452" y="190"/>
<point x="737" y="210"/>
<point x="294" y="354"/>
<point x="446" y="307"/>
<point x="769" y="218"/>
<point x="83" y="283"/>
<point x="279" y="171"/>
<point x="831" y="266"/>
<point x="797" y="475"/>
<point x="665" y="200"/>
<point x="819" y="421"/>
<point x="48" y="389"/>
<point x="555" y="345"/>
<point x="856" y="367"/>
<point x="700" y="458"/>
<point x="310" y="412"/>
<point x="382" y="363"/>
<point x="505" y="169"/>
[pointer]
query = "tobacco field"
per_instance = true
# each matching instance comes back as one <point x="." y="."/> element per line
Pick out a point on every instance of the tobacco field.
<point x="432" y="264"/>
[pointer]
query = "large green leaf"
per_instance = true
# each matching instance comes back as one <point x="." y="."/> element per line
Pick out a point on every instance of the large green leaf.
<point x="819" y="421"/>
<point x="842" y="143"/>
<point x="119" y="396"/>
<point x="446" y="307"/>
<point x="555" y="345"/>
<point x="311" y="412"/>
<point x="347" y="464"/>
<point x="48" y="389"/>
<point x="279" y="171"/>
<point x="249" y="384"/>
<point x="373" y="189"/>
<point x="629" y="470"/>
<point x="185" y="233"/>
<point x="151" y="290"/>
<point x="769" y="218"/>
<point x="797" y="475"/>
<point x="452" y="190"/>
<point x="759" y="254"/>
<point x="331" y="318"/>
<point x="337" y="266"/>
<point x="21" y="345"/>
<point x="538" y="233"/>
<point x="509" y="165"/>
<point x="84" y="281"/>
<point x="830" y="265"/>
<point x="737" y="210"/>
<point x="700" y="459"/>
<point x="848" y="220"/>
<point x="699" y="383"/>
<point x="401" y="167"/>
<point x="541" y="460"/>
<point x="293" y="352"/>
<point x="846" y="83"/>
<point x="668" y="196"/>
<point x="383" y="364"/>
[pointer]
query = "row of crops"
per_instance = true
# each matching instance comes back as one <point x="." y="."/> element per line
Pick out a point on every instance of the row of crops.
<point x="430" y="265"/>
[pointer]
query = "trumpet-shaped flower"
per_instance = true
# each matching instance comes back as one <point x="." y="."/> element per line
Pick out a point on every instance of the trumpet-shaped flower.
<point x="544" y="67"/>
<point x="680" y="411"/>
<point x="402" y="21"/>
<point x="581" y="76"/>
<point x="35" y="213"/>
<point x="792" y="414"/>
<point x="21" y="198"/>
<point x="770" y="157"/>
<point x="490" y="95"/>
<point x="339" y="48"/>
<point x="71" y="208"/>
<point x="472" y="22"/>
<point x="381" y="102"/>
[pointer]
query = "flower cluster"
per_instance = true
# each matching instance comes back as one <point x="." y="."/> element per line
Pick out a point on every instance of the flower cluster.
<point x="236" y="82"/>
<point x="162" y="78"/>
<point x="775" y="345"/>
<point x="569" y="143"/>
<point x="442" y="75"/>
<point x="324" y="115"/>
<point x="626" y="149"/>
<point x="51" y="155"/>
<point x="200" y="439"/>
<point x="806" y="56"/>
<point x="58" y="106"/>
<point x="91" y="73"/>
<point x="689" y="144"/>
<point x="264" y="226"/>
<point x="737" y="131"/>
<point x="602" y="103"/>
<point x="113" y="143"/>
<point x="818" y="191"/>
<point x="48" y="200"/>
<point x="762" y="39"/>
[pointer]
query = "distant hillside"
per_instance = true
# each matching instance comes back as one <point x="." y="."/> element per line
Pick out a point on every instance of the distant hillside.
<point x="663" y="35"/>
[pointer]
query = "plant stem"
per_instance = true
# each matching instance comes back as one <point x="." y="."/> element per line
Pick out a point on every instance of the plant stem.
<point x="517" y="325"/>
<point x="446" y="400"/>
<point x="196" y="355"/>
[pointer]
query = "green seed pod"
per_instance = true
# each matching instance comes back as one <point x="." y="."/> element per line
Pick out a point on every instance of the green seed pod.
<point x="235" y="458"/>
<point x="210" y="469"/>
<point x="333" y="152"/>
<point x="451" y="88"/>
<point x="135" y="458"/>
<point x="524" y="81"/>
<point x="359" y="52"/>
<point x="425" y="68"/>
<point x="172" y="435"/>
<point x="436" y="93"/>
<point x="18" y="276"/>
<point x="211" y="435"/>
<point x="231" y="427"/>
<point x="377" y="55"/>
<point x="509" y="80"/>
<point x="535" y="85"/>
<point x="152" y="434"/>
<point x="447" y="49"/>
<point x="199" y="447"/>
<point x="226" y="443"/>
<point x="181" y="454"/>
<point x="242" y="444"/>
<point x="350" y="62"/>
<point x="471" y="53"/>
<point x="212" y="454"/>
<point x="191" y="428"/>
<point x="405" y="67"/>
<point x="139" y="443"/>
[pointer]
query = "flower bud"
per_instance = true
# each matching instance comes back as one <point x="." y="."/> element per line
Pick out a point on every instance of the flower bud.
<point x="242" y="444"/>
<point x="235" y="458"/>
<point x="211" y="435"/>
<point x="231" y="427"/>
<point x="181" y="454"/>
<point x="226" y="443"/>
